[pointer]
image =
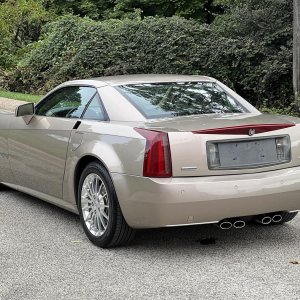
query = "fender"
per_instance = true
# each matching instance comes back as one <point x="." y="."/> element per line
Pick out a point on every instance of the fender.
<point x="110" y="150"/>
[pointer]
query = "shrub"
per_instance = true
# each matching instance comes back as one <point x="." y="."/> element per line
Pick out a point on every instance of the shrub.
<point x="20" y="23"/>
<point x="250" y="50"/>
<point x="73" y="47"/>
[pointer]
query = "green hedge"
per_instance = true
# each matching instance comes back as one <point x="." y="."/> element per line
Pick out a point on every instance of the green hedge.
<point x="73" y="47"/>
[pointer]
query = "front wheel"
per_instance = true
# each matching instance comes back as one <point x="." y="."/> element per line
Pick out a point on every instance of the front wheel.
<point x="99" y="209"/>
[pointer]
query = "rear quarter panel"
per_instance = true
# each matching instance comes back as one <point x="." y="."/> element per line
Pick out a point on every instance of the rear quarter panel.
<point x="119" y="147"/>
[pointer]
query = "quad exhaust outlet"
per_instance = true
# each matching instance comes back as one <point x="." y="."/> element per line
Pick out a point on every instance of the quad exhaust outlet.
<point x="225" y="224"/>
<point x="238" y="223"/>
<point x="268" y="219"/>
<point x="228" y="224"/>
<point x="277" y="218"/>
<point x="264" y="219"/>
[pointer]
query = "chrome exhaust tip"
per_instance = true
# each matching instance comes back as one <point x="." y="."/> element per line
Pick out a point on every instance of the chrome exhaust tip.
<point x="265" y="220"/>
<point x="225" y="225"/>
<point x="277" y="218"/>
<point x="239" y="224"/>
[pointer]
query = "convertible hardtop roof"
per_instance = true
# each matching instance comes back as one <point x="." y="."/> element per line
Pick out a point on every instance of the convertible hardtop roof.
<point x="141" y="78"/>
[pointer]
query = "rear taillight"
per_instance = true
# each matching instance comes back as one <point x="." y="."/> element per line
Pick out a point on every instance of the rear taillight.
<point x="157" y="159"/>
<point x="283" y="148"/>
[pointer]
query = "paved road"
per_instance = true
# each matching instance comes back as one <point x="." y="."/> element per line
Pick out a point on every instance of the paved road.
<point x="10" y="104"/>
<point x="45" y="255"/>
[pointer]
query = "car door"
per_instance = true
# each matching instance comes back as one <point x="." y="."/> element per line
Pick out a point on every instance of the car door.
<point x="37" y="151"/>
<point x="5" y="171"/>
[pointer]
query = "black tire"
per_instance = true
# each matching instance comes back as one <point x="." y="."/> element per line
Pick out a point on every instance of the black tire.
<point x="117" y="233"/>
<point x="288" y="216"/>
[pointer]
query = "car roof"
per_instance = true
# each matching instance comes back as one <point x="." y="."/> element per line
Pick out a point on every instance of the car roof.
<point x="139" y="78"/>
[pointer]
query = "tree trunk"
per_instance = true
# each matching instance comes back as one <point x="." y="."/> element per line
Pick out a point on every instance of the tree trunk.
<point x="296" y="53"/>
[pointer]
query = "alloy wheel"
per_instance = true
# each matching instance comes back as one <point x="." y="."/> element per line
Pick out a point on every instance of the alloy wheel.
<point x="95" y="204"/>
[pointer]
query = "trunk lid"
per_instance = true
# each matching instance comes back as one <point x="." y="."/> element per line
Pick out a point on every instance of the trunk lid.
<point x="202" y="122"/>
<point x="191" y="136"/>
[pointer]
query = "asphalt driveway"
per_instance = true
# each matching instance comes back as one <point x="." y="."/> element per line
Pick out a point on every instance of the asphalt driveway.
<point x="9" y="104"/>
<point x="44" y="254"/>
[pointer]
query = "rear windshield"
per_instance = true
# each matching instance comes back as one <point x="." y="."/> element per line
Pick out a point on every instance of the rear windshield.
<point x="160" y="100"/>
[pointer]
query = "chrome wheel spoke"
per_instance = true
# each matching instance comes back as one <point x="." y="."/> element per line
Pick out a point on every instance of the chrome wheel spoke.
<point x="91" y="188"/>
<point x="97" y="185"/>
<point x="102" y="221"/>
<point x="99" y="191"/>
<point x="104" y="214"/>
<point x="89" y="194"/>
<point x="89" y="217"/>
<point x="87" y="191"/>
<point x="98" y="222"/>
<point x="95" y="204"/>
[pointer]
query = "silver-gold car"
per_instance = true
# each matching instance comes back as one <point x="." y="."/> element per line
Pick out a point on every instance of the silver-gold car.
<point x="147" y="151"/>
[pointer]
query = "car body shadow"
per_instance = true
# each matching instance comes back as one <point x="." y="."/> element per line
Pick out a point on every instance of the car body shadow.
<point x="206" y="237"/>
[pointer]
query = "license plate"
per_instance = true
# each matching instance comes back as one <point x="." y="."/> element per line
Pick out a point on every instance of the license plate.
<point x="247" y="153"/>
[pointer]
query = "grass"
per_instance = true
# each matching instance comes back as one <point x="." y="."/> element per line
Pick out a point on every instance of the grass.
<point x="20" y="96"/>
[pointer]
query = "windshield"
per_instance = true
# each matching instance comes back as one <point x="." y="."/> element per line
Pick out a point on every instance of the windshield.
<point x="160" y="100"/>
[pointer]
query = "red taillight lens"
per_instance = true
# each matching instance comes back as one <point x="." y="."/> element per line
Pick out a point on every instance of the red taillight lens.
<point x="157" y="159"/>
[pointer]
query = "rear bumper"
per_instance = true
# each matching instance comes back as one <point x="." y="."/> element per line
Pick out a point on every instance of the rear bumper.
<point x="153" y="202"/>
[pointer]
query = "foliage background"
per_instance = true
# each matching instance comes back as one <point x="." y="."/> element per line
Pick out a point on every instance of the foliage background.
<point x="247" y="44"/>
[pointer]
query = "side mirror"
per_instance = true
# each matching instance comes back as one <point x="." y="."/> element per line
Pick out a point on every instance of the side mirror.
<point x="25" y="110"/>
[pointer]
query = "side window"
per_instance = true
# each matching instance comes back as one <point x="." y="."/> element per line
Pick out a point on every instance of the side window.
<point x="95" y="110"/>
<point x="67" y="102"/>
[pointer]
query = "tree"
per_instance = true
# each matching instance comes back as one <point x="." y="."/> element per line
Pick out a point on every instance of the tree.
<point x="201" y="10"/>
<point x="254" y="55"/>
<point x="296" y="52"/>
<point x="20" y="22"/>
<point x="94" y="9"/>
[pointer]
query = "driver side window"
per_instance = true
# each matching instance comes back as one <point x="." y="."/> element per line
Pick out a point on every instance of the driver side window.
<point x="67" y="102"/>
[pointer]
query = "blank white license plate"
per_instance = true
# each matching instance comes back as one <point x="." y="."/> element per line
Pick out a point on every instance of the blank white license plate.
<point x="247" y="153"/>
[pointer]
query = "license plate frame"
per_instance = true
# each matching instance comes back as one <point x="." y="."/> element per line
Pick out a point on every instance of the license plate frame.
<point x="265" y="143"/>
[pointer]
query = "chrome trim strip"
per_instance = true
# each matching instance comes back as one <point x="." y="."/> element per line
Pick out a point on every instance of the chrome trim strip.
<point x="188" y="168"/>
<point x="190" y="224"/>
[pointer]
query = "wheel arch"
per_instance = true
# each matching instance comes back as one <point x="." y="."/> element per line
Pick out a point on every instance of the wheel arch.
<point x="117" y="231"/>
<point x="81" y="164"/>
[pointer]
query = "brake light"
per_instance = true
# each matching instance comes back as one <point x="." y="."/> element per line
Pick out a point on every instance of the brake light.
<point x="245" y="129"/>
<point x="157" y="159"/>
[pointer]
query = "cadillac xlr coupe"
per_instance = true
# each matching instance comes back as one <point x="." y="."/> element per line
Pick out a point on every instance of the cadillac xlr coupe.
<point x="148" y="151"/>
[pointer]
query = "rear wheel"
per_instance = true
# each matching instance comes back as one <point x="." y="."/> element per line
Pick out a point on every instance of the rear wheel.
<point x="99" y="209"/>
